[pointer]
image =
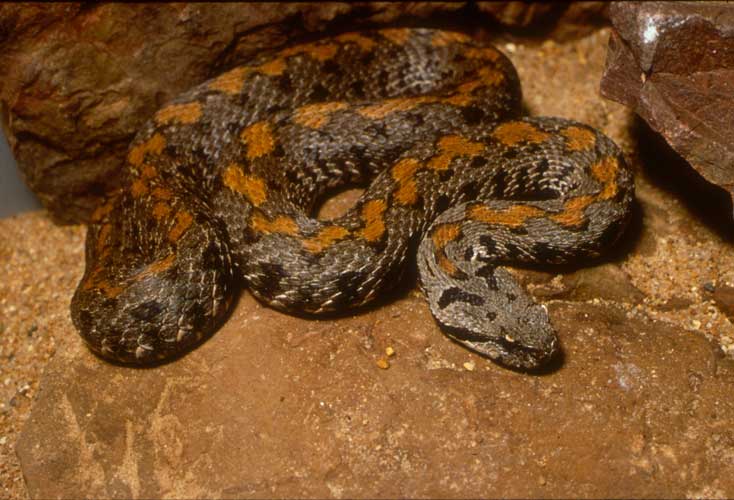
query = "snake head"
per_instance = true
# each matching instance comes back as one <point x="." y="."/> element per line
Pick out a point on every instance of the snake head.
<point x="487" y="311"/>
<point x="526" y="342"/>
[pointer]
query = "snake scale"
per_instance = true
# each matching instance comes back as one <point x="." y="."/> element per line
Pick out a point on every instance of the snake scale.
<point x="221" y="186"/>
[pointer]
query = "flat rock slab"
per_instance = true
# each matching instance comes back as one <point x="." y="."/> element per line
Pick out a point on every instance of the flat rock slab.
<point x="280" y="406"/>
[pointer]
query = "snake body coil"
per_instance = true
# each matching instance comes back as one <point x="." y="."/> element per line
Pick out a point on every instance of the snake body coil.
<point x="222" y="182"/>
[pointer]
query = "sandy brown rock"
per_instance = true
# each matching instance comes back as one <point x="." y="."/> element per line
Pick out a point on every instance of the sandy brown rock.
<point x="80" y="79"/>
<point x="277" y="406"/>
<point x="673" y="63"/>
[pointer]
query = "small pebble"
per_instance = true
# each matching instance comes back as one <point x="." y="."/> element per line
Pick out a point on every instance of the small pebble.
<point x="383" y="364"/>
<point x="469" y="366"/>
<point x="390" y="351"/>
<point x="709" y="287"/>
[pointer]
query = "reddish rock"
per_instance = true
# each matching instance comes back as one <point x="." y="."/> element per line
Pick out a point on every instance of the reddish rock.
<point x="673" y="63"/>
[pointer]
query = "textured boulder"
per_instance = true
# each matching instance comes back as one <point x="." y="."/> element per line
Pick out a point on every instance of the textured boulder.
<point x="80" y="79"/>
<point x="673" y="63"/>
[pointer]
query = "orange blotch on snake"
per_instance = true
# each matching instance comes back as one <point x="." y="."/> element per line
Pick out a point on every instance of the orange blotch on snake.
<point x="450" y="147"/>
<point x="183" y="222"/>
<point x="161" y="210"/>
<point x="154" y="145"/>
<point x="156" y="267"/>
<point x="251" y="186"/>
<point x="259" y="139"/>
<point x="491" y="76"/>
<point x="512" y="133"/>
<point x="446" y="264"/>
<point x="316" y="115"/>
<point x="103" y="210"/>
<point x="444" y="234"/>
<point x="138" y="188"/>
<point x="389" y="106"/>
<point x="231" y="81"/>
<point x="162" y="193"/>
<point x="407" y="193"/>
<point x="362" y="41"/>
<point x="325" y="237"/>
<point x="319" y="51"/>
<point x="441" y="236"/>
<point x="573" y="211"/>
<point x="374" y="223"/>
<point x="514" y="216"/>
<point x="398" y="36"/>
<point x="185" y="114"/>
<point x="272" y="68"/>
<point x="281" y="224"/>
<point x="605" y="171"/>
<point x="148" y="172"/>
<point x="403" y="171"/>
<point x="483" y="53"/>
<point x="579" y="138"/>
<point x="444" y="38"/>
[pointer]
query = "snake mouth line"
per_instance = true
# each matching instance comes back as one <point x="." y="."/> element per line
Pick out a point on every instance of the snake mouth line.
<point x="509" y="354"/>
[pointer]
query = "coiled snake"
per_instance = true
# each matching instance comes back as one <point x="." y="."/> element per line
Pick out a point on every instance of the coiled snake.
<point x="221" y="185"/>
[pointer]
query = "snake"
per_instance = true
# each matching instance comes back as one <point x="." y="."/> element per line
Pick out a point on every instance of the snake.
<point x="221" y="185"/>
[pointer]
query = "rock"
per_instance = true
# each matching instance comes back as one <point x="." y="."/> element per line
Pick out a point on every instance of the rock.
<point x="279" y="406"/>
<point x="80" y="79"/>
<point x="673" y="63"/>
<point x="557" y="20"/>
<point x="723" y="296"/>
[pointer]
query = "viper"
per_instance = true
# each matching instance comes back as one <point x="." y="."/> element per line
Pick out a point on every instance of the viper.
<point x="221" y="185"/>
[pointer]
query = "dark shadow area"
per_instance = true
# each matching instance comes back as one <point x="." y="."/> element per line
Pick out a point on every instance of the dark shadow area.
<point x="667" y="170"/>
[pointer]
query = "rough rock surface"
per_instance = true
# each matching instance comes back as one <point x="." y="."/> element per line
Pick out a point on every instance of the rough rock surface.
<point x="673" y="63"/>
<point x="80" y="79"/>
<point x="277" y="406"/>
